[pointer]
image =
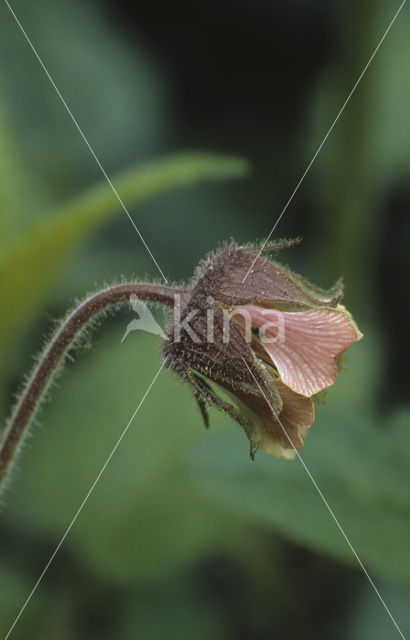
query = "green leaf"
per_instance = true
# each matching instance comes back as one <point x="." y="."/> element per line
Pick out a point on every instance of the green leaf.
<point x="181" y="603"/>
<point x="360" y="467"/>
<point x="368" y="152"/>
<point x="30" y="267"/>
<point x="367" y="618"/>
<point x="144" y="518"/>
<point x="14" y="587"/>
<point x="113" y="85"/>
<point x="11" y="178"/>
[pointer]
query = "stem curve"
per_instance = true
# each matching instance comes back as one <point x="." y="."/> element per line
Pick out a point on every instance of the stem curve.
<point x="55" y="350"/>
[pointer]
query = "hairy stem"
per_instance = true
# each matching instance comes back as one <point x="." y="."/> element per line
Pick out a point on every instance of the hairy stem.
<point x="57" y="348"/>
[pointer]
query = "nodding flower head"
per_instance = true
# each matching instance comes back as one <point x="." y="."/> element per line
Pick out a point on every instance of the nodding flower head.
<point x="258" y="342"/>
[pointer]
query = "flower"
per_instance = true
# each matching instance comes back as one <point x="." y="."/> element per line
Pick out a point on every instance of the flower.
<point x="252" y="330"/>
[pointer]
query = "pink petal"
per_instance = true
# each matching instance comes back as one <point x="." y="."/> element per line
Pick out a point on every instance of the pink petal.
<point x="304" y="345"/>
<point x="282" y="431"/>
<point x="298" y="412"/>
<point x="283" y="436"/>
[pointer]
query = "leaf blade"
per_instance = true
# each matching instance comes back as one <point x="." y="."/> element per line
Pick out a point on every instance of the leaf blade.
<point x="32" y="264"/>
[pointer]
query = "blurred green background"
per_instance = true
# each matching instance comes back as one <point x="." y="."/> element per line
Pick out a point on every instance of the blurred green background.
<point x="183" y="537"/>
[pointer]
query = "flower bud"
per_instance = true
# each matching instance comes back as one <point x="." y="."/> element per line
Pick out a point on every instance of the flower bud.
<point x="252" y="330"/>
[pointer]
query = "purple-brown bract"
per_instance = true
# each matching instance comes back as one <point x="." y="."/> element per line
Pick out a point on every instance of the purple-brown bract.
<point x="271" y="381"/>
